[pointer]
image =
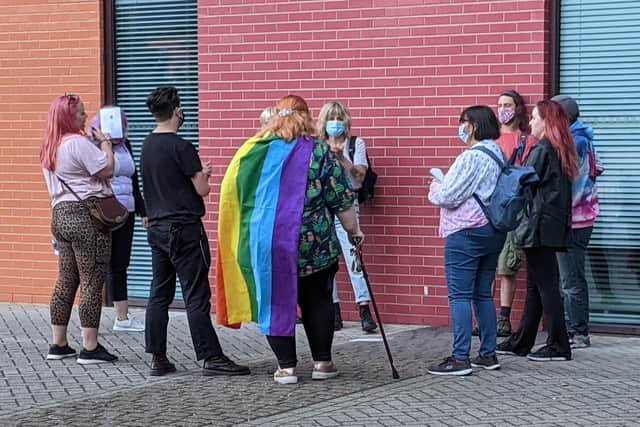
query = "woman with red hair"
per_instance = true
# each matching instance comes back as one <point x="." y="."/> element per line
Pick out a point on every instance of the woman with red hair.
<point x="75" y="168"/>
<point x="277" y="245"/>
<point x="545" y="230"/>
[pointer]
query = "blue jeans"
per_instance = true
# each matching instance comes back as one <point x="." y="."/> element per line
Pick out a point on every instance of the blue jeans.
<point x="470" y="259"/>
<point x="573" y="283"/>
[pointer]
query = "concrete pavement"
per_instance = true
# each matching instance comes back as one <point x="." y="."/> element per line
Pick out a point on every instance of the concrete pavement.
<point x="601" y="386"/>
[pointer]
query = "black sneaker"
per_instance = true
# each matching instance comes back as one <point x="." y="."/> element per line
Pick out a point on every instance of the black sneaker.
<point x="475" y="331"/>
<point x="57" y="352"/>
<point x="223" y="366"/>
<point x="547" y="354"/>
<point x="504" y="327"/>
<point x="97" y="355"/>
<point x="505" y="347"/>
<point x="337" y="317"/>
<point x="368" y="324"/>
<point x="451" y="366"/>
<point x="160" y="365"/>
<point x="490" y="362"/>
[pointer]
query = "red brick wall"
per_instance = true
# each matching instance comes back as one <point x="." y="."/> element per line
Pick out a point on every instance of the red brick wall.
<point x="46" y="48"/>
<point x="405" y="69"/>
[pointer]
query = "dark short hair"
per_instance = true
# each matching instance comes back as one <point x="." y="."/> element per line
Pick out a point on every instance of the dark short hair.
<point x="484" y="120"/>
<point x="162" y="101"/>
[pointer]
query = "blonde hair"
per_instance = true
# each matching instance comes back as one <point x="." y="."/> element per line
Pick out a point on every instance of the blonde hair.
<point x="291" y="120"/>
<point x="266" y="115"/>
<point x="333" y="109"/>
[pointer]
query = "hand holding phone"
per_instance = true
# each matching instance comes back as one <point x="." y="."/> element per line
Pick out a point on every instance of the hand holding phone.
<point x="437" y="174"/>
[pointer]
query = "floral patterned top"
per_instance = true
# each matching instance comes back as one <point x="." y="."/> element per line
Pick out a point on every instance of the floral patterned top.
<point x="472" y="172"/>
<point x="328" y="192"/>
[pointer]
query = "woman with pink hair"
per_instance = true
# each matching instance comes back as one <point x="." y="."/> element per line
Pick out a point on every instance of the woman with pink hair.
<point x="75" y="169"/>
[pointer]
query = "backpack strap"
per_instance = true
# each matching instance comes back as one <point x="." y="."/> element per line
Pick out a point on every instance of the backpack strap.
<point x="501" y="163"/>
<point x="351" y="147"/>
<point x="519" y="150"/>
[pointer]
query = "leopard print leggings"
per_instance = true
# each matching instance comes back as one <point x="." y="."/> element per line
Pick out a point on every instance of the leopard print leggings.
<point x="83" y="260"/>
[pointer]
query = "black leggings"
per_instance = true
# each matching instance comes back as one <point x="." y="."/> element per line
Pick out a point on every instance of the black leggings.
<point x="316" y="306"/>
<point x="120" y="255"/>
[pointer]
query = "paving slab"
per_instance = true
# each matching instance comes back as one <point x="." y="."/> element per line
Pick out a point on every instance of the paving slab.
<point x="600" y="386"/>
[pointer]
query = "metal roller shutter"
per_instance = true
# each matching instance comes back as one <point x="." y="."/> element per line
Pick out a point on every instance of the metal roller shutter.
<point x="600" y="67"/>
<point x="156" y="44"/>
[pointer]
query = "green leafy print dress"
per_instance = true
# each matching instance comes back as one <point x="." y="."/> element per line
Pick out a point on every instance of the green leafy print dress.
<point x="328" y="192"/>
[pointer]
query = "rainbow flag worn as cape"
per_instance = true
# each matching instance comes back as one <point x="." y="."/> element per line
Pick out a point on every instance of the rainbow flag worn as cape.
<point x="261" y="205"/>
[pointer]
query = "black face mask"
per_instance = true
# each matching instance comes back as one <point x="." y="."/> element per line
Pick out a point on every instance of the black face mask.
<point x="182" y="118"/>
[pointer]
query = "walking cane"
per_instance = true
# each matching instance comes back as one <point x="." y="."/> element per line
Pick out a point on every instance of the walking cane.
<point x="358" y="265"/>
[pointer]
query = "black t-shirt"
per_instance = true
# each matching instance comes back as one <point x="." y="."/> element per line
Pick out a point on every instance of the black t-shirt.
<point x="167" y="163"/>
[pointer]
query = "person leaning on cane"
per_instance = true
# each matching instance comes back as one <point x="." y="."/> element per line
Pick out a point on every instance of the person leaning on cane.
<point x="288" y="254"/>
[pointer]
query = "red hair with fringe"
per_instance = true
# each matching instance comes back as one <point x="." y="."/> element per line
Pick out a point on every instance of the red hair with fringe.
<point x="61" y="121"/>
<point x="556" y="130"/>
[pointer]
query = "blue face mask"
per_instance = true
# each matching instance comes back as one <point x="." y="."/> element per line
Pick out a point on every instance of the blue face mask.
<point x="335" y="128"/>
<point x="463" y="136"/>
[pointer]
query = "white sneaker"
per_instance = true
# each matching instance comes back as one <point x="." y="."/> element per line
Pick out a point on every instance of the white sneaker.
<point x="285" y="376"/>
<point x="130" y="325"/>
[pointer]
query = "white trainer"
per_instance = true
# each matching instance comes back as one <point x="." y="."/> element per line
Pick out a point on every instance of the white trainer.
<point x="129" y="325"/>
<point x="285" y="376"/>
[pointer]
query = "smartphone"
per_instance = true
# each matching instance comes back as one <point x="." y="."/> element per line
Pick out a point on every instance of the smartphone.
<point x="437" y="174"/>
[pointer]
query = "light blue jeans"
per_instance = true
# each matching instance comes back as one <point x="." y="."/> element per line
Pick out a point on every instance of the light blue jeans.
<point x="470" y="260"/>
<point x="357" y="278"/>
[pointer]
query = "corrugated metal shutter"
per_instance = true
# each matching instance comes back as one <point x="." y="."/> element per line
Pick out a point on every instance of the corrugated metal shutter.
<point x="156" y="44"/>
<point x="600" y="67"/>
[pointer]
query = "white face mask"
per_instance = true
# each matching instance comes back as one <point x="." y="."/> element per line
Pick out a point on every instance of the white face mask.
<point x="464" y="137"/>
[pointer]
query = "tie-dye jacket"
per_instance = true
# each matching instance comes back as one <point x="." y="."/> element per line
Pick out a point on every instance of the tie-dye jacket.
<point x="583" y="191"/>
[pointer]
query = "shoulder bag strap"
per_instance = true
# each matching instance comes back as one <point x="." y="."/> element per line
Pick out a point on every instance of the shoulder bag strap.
<point x="352" y="146"/>
<point x="70" y="189"/>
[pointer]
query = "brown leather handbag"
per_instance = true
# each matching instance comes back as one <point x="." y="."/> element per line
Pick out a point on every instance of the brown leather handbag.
<point x="107" y="213"/>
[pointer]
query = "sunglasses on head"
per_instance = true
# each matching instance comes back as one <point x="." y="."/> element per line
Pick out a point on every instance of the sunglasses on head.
<point x="71" y="99"/>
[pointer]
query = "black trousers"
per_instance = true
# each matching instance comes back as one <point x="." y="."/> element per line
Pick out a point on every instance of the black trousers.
<point x="182" y="249"/>
<point x="543" y="297"/>
<point x="121" y="240"/>
<point x="315" y="299"/>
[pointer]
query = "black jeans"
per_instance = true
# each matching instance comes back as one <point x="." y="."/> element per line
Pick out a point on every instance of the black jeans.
<point x="316" y="306"/>
<point x="182" y="249"/>
<point x="121" y="240"/>
<point x="573" y="283"/>
<point x="543" y="296"/>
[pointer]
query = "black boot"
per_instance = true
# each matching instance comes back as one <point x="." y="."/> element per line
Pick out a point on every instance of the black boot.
<point x="337" y="318"/>
<point x="368" y="324"/>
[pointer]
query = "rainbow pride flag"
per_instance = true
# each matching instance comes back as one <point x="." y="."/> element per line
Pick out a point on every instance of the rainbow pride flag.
<point x="261" y="205"/>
